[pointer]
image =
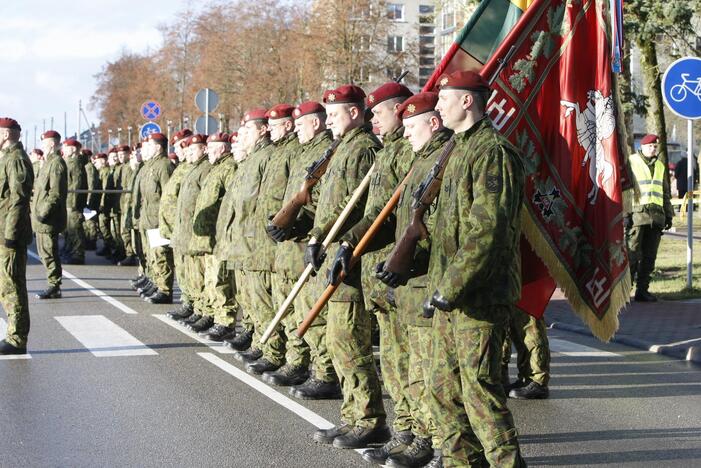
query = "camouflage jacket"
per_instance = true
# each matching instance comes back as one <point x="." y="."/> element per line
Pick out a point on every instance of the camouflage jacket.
<point x="117" y="183"/>
<point x="154" y="177"/>
<point x="409" y="298"/>
<point x="93" y="179"/>
<point x="169" y="199"/>
<point x="49" y="200"/>
<point x="350" y="163"/>
<point x="131" y="218"/>
<point x="16" y="183"/>
<point x="391" y="165"/>
<point x="126" y="176"/>
<point x="204" y="223"/>
<point x="107" y="183"/>
<point x="475" y="258"/>
<point x="77" y="180"/>
<point x="238" y="245"/>
<point x="289" y="254"/>
<point x="187" y="198"/>
<point x="272" y="193"/>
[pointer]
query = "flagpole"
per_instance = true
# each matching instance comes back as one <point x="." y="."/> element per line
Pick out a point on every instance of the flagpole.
<point x="690" y="203"/>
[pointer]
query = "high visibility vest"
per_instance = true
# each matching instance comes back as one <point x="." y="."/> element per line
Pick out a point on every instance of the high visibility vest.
<point x="651" y="185"/>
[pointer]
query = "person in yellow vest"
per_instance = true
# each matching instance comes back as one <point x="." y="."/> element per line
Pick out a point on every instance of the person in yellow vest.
<point x="651" y="214"/>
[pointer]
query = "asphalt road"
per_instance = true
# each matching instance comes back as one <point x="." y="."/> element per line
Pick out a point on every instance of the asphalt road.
<point x="110" y="382"/>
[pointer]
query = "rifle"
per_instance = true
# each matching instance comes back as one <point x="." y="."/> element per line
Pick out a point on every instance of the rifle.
<point x="402" y="256"/>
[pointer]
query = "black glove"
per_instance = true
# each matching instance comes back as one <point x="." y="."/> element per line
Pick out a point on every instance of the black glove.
<point x="10" y="243"/>
<point x="277" y="234"/>
<point x="428" y="309"/>
<point x="628" y="221"/>
<point x="314" y="255"/>
<point x="667" y="223"/>
<point x="340" y="263"/>
<point x="441" y="302"/>
<point x="393" y="280"/>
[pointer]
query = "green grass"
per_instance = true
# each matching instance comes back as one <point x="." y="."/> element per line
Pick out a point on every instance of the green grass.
<point x="669" y="278"/>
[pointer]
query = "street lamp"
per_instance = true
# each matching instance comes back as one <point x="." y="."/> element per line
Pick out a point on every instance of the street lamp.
<point x="129" y="129"/>
<point x="109" y="138"/>
<point x="119" y="135"/>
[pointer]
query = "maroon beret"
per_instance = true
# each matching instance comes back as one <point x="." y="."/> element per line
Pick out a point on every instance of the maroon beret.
<point x="196" y="139"/>
<point x="345" y="94"/>
<point x="387" y="91"/>
<point x="38" y="151"/>
<point x="51" y="134"/>
<point x="257" y="113"/>
<point x="309" y="107"/>
<point x="418" y="104"/>
<point x="157" y="137"/>
<point x="173" y="156"/>
<point x="234" y="137"/>
<point x="649" y="138"/>
<point x="86" y="152"/>
<point x="180" y="134"/>
<point x="467" y="80"/>
<point x="6" y="122"/>
<point x="219" y="137"/>
<point x="72" y="142"/>
<point x="112" y="150"/>
<point x="124" y="148"/>
<point x="100" y="156"/>
<point x="280" y="111"/>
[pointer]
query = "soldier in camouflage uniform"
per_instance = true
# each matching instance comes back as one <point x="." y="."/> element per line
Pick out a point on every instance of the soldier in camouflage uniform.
<point x="155" y="175"/>
<point x="106" y="204"/>
<point x="92" y="228"/>
<point x="391" y="164"/>
<point x="168" y="213"/>
<point x="530" y="338"/>
<point x="116" y="214"/>
<point x="427" y="136"/>
<point x="132" y="222"/>
<point x="314" y="139"/>
<point x="16" y="181"/>
<point x="182" y="229"/>
<point x="74" y="235"/>
<point x="37" y="159"/>
<point x="218" y="301"/>
<point x="348" y="323"/>
<point x="474" y="271"/>
<point x="49" y="212"/>
<point x="126" y="178"/>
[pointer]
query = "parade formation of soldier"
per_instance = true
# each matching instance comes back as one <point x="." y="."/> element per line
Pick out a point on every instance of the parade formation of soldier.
<point x="446" y="323"/>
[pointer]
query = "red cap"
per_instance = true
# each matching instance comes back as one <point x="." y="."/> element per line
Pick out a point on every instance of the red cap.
<point x="309" y="107"/>
<point x="345" y="94"/>
<point x="467" y="80"/>
<point x="219" y="137"/>
<point x="649" y="138"/>
<point x="100" y="156"/>
<point x="112" y="150"/>
<point x="234" y="137"/>
<point x="6" y="122"/>
<point x="387" y="91"/>
<point x="180" y="134"/>
<point x="173" y="156"/>
<point x="86" y="152"/>
<point x="124" y="148"/>
<point x="257" y="113"/>
<point x="51" y="134"/>
<point x="280" y="111"/>
<point x="158" y="138"/>
<point x="196" y="139"/>
<point x="38" y="151"/>
<point x="418" y="104"/>
<point x="72" y="142"/>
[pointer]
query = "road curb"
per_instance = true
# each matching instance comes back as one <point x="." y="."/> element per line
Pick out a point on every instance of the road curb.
<point x="688" y="353"/>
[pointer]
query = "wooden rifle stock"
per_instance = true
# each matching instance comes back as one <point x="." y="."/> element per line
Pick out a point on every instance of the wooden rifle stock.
<point x="357" y="253"/>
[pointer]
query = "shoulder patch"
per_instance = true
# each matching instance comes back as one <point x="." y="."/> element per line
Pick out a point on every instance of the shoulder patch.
<point x="493" y="184"/>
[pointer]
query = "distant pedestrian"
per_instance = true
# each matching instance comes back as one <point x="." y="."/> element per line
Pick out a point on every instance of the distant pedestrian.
<point x="680" y="174"/>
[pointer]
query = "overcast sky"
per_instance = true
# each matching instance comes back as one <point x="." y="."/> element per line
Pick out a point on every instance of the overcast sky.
<point x="50" y="51"/>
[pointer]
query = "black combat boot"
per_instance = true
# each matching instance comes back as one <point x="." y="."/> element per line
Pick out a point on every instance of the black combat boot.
<point x="643" y="295"/>
<point x="436" y="461"/>
<point x="218" y="332"/>
<point x="251" y="355"/>
<point x="520" y="383"/>
<point x="145" y="286"/>
<point x="103" y="252"/>
<point x="73" y="261"/>
<point x="261" y="365"/>
<point x="52" y="292"/>
<point x="314" y="389"/>
<point x="286" y="376"/>
<point x="184" y="311"/>
<point x="327" y="436"/>
<point x="202" y="324"/>
<point x="128" y="261"/>
<point x="360" y="437"/>
<point x="241" y="342"/>
<point x="191" y="319"/>
<point x="532" y="391"/>
<point x="397" y="444"/>
<point x="6" y="349"/>
<point x="148" y="292"/>
<point x="137" y="282"/>
<point x="418" y="454"/>
<point x="160" y="298"/>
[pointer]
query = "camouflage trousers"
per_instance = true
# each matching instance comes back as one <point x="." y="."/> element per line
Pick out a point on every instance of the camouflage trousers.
<point x="420" y="345"/>
<point x="13" y="294"/>
<point x="643" y="242"/>
<point x="467" y="398"/>
<point x="137" y="239"/>
<point x="127" y="239"/>
<point x="116" y="230"/>
<point x="92" y="229"/>
<point x="74" y="235"/>
<point x="193" y="278"/>
<point x="160" y="267"/>
<point x="106" y="231"/>
<point x="256" y="298"/>
<point x="296" y="349"/>
<point x="219" y="297"/>
<point x="530" y="338"/>
<point x="348" y="339"/>
<point x="47" y="248"/>
<point x="181" y="274"/>
<point x="394" y="363"/>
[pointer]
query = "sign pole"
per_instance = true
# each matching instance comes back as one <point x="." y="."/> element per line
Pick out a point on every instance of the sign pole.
<point x="690" y="204"/>
<point x="206" y="114"/>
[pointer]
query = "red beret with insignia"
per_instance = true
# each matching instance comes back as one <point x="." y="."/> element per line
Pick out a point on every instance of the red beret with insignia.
<point x="158" y="138"/>
<point x="51" y="134"/>
<point x="649" y="138"/>
<point x="467" y="80"/>
<point x="345" y="94"/>
<point x="100" y="156"/>
<point x="257" y="113"/>
<point x="6" y="122"/>
<point x="72" y="142"/>
<point x="124" y="148"/>
<point x="309" y="107"/>
<point x="219" y="137"/>
<point x="38" y="151"/>
<point x="196" y="139"/>
<point x="387" y="91"/>
<point x="180" y="134"/>
<point x="280" y="111"/>
<point x="86" y="152"/>
<point x="418" y="104"/>
<point x="234" y="137"/>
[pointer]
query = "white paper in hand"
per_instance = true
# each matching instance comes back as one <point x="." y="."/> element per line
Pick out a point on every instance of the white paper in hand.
<point x="155" y="239"/>
<point x="89" y="214"/>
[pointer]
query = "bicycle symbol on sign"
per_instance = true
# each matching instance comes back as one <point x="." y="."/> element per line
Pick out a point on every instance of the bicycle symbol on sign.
<point x="678" y="92"/>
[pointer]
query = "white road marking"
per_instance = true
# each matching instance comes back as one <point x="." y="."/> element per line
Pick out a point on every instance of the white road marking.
<point x="101" y="294"/>
<point x="10" y="357"/>
<point x="568" y="348"/>
<point x="103" y="337"/>
<point x="216" y="346"/>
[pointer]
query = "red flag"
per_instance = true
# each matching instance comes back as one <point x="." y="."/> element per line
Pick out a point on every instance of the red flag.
<point x="554" y="100"/>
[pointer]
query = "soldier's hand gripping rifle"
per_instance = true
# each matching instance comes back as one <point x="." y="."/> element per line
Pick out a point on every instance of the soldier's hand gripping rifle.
<point x="280" y="226"/>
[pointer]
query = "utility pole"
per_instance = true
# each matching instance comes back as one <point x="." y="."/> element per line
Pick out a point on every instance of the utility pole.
<point x="129" y="129"/>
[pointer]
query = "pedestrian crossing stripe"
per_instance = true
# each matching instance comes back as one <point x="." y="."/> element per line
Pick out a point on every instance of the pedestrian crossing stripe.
<point x="568" y="348"/>
<point x="102" y="337"/>
<point x="10" y="357"/>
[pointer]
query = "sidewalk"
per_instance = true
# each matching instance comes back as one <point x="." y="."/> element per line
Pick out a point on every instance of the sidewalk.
<point x="672" y="328"/>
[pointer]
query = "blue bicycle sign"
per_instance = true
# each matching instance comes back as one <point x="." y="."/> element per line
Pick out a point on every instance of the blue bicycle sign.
<point x="681" y="87"/>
